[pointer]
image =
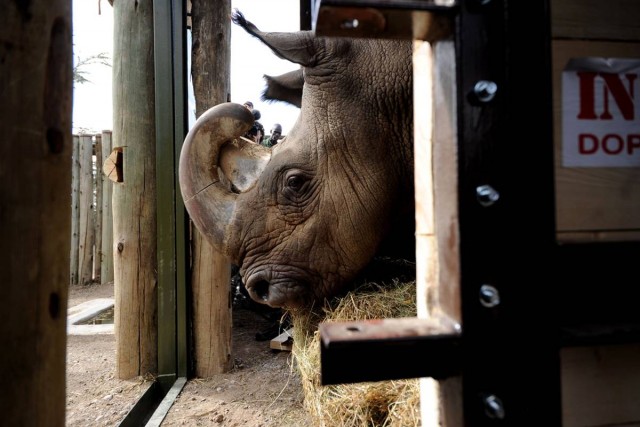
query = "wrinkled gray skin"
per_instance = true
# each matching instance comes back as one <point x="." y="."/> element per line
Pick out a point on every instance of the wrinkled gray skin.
<point x="307" y="216"/>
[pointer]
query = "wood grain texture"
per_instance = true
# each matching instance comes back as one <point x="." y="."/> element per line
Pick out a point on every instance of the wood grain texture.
<point x="437" y="240"/>
<point x="107" y="215"/>
<point x="134" y="199"/>
<point x="595" y="19"/>
<point x="600" y="386"/>
<point x="35" y="208"/>
<point x="210" y="73"/>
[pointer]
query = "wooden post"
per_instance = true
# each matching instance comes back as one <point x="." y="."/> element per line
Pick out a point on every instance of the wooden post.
<point x="86" y="230"/>
<point x="211" y="58"/>
<point x="437" y="237"/>
<point x="134" y="199"/>
<point x="106" y="249"/>
<point x="75" y="212"/>
<point x="98" y="179"/>
<point x="35" y="165"/>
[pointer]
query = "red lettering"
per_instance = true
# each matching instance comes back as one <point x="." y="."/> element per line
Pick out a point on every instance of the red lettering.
<point x="612" y="144"/>
<point x="613" y="87"/>
<point x="633" y="143"/>
<point x="624" y="99"/>
<point x="587" y="96"/>
<point x="583" y="140"/>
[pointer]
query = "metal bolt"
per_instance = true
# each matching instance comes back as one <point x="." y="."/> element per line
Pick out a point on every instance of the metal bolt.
<point x="493" y="407"/>
<point x="489" y="296"/>
<point x="485" y="90"/>
<point x="487" y="196"/>
<point x="349" y="24"/>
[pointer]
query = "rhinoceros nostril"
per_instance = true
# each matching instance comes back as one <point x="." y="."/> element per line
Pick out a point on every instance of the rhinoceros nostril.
<point x="261" y="290"/>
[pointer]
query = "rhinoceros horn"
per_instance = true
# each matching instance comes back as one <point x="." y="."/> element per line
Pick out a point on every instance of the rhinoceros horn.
<point x="216" y="164"/>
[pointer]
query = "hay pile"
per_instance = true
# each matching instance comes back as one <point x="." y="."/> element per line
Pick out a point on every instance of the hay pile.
<point x="373" y="404"/>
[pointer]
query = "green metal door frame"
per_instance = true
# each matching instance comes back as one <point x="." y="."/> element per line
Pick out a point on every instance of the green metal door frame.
<point x="171" y="128"/>
<point x="172" y="222"/>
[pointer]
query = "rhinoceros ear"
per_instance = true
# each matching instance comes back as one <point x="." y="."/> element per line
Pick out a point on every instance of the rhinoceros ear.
<point x="299" y="47"/>
<point x="285" y="87"/>
<point x="242" y="161"/>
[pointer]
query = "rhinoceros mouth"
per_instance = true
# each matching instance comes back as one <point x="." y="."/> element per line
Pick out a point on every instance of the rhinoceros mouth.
<point x="277" y="290"/>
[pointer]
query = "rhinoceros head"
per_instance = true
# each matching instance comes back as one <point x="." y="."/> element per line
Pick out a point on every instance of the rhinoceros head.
<point x="302" y="219"/>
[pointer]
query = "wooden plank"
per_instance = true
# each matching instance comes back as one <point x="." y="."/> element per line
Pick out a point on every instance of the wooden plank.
<point x="437" y="240"/>
<point x="98" y="180"/>
<point x="112" y="166"/>
<point x="86" y="230"/>
<point x="596" y="19"/>
<point x="599" y="203"/>
<point x="418" y="20"/>
<point x="445" y="179"/>
<point x="107" y="215"/>
<point x="403" y="348"/>
<point x="75" y="212"/>
<point x="283" y="342"/>
<point x="600" y="386"/>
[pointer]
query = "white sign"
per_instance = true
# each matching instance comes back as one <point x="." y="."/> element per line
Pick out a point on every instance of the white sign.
<point x="601" y="113"/>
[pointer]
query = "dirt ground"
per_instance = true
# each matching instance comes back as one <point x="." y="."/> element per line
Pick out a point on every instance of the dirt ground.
<point x="263" y="390"/>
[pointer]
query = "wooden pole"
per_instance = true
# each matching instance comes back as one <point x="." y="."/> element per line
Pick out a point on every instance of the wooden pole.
<point x="98" y="179"/>
<point x="86" y="231"/>
<point x="75" y="213"/>
<point x="210" y="70"/>
<point x="35" y="208"/>
<point x="134" y="199"/>
<point x="106" y="250"/>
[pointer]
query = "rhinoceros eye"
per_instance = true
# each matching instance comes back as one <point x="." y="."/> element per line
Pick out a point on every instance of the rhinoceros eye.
<point x="296" y="193"/>
<point x="294" y="182"/>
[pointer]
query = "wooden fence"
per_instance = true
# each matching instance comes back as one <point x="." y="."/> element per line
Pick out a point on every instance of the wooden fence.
<point x="91" y="214"/>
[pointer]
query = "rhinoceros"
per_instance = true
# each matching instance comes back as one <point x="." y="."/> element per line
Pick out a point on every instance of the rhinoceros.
<point x="302" y="219"/>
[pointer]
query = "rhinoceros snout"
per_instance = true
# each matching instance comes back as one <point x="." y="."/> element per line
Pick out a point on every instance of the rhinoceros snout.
<point x="258" y="286"/>
<point x="259" y="291"/>
<point x="276" y="291"/>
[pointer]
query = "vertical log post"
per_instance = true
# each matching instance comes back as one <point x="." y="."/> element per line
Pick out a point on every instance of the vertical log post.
<point x="86" y="230"/>
<point x="98" y="179"/>
<point x="134" y="199"/>
<point x="210" y="69"/>
<point x="35" y="208"/>
<point x="106" y="249"/>
<point x="75" y="213"/>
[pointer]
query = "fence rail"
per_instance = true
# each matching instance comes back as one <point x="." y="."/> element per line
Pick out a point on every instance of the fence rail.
<point x="91" y="214"/>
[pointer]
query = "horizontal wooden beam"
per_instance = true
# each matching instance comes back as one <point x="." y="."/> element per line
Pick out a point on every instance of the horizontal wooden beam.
<point x="403" y="19"/>
<point x="385" y="349"/>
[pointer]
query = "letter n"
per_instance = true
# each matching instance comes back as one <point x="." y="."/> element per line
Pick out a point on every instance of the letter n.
<point x="624" y="99"/>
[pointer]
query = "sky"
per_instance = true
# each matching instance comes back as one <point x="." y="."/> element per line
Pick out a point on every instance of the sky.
<point x="250" y="60"/>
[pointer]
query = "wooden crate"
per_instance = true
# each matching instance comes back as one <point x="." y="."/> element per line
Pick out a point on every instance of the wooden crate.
<point x="601" y="386"/>
<point x="594" y="203"/>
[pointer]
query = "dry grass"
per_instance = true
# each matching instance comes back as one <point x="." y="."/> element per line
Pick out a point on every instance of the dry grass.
<point x="379" y="404"/>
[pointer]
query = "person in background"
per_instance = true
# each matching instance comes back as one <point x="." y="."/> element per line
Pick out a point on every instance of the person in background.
<point x="276" y="134"/>
<point x="256" y="133"/>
